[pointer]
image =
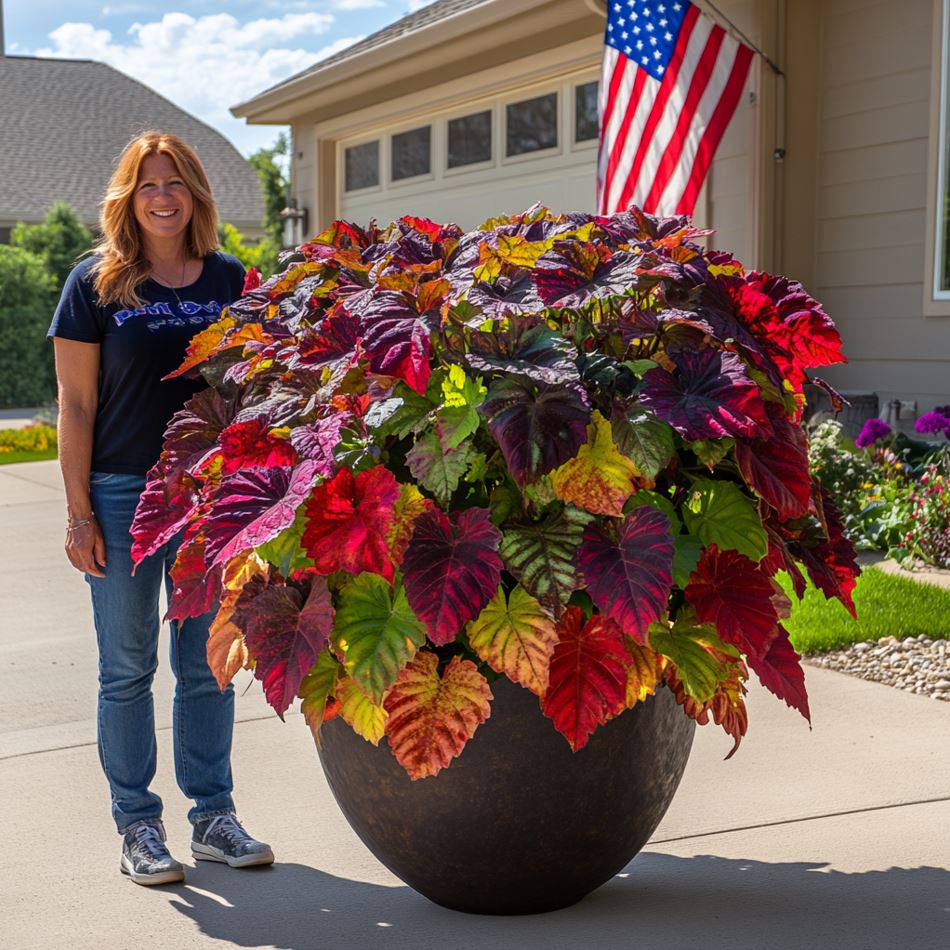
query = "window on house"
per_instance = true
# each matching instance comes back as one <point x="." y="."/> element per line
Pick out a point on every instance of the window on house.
<point x="470" y="139"/>
<point x="411" y="153"/>
<point x="361" y="166"/>
<point x="531" y="125"/>
<point x="586" y="126"/>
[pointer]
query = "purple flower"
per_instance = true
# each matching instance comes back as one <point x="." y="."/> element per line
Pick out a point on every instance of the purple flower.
<point x="934" y="421"/>
<point x="874" y="430"/>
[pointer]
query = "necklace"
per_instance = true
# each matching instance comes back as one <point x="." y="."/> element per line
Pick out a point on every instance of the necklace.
<point x="169" y="286"/>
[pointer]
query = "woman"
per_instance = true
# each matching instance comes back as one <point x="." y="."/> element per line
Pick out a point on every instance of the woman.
<point x="123" y="323"/>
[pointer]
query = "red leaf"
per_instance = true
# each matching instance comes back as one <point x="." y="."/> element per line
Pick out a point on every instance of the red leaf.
<point x="169" y="500"/>
<point x="431" y="717"/>
<point x="252" y="280"/>
<point x="728" y="590"/>
<point x="588" y="677"/>
<point x="348" y="522"/>
<point x="284" y="633"/>
<point x="777" y="468"/>
<point x="451" y="569"/>
<point x="629" y="572"/>
<point x="195" y="589"/>
<point x="781" y="673"/>
<point x="727" y="704"/>
<point x="831" y="563"/>
<point x="251" y="445"/>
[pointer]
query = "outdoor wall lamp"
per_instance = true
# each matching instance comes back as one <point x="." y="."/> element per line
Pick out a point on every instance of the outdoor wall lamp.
<point x="295" y="223"/>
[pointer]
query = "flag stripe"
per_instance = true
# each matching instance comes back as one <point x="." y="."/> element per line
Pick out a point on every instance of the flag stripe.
<point x="673" y="193"/>
<point x="639" y="80"/>
<point x="670" y="84"/>
<point x="717" y="128"/>
<point x="697" y="90"/>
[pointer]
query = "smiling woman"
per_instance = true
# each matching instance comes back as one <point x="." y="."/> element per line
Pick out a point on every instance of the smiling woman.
<point x="123" y="324"/>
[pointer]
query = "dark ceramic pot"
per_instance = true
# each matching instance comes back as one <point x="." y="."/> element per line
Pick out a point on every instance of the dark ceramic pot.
<point x="518" y="824"/>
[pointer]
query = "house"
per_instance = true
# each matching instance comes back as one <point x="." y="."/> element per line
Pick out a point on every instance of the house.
<point x="64" y="124"/>
<point x="835" y="173"/>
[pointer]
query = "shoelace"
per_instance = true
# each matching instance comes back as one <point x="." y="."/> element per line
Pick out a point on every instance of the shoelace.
<point x="229" y="826"/>
<point x="152" y="839"/>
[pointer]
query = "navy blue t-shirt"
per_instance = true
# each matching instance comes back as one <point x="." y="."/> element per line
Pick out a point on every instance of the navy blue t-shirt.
<point x="138" y="346"/>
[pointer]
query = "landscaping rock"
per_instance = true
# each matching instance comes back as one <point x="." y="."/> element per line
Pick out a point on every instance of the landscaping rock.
<point x="916" y="664"/>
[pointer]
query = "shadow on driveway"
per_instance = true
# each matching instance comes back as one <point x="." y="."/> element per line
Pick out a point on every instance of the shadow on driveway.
<point x="658" y="901"/>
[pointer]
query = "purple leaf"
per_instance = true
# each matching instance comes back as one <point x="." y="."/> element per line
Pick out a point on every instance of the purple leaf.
<point x="451" y="569"/>
<point x="397" y="339"/>
<point x="711" y="397"/>
<point x="253" y="507"/>
<point x="573" y="273"/>
<point x="629" y="570"/>
<point x="537" y="427"/>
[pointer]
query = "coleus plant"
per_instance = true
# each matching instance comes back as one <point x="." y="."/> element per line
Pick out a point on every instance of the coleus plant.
<point x="565" y="449"/>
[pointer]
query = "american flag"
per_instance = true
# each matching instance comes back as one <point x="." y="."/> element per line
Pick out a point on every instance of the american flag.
<point x="671" y="82"/>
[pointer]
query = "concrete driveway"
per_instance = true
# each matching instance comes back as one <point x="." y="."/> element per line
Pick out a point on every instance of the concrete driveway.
<point x="838" y="837"/>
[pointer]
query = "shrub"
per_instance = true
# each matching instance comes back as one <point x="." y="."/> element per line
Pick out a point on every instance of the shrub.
<point x="27" y="299"/>
<point x="34" y="438"/>
<point x="262" y="255"/>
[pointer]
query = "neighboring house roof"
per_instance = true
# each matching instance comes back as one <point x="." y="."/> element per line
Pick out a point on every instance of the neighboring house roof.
<point x="426" y="16"/>
<point x="65" y="122"/>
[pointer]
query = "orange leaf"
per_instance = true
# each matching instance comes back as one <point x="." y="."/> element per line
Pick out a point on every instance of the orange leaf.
<point x="217" y="337"/>
<point x="226" y="650"/>
<point x="409" y="506"/>
<point x="431" y="717"/>
<point x="645" y="672"/>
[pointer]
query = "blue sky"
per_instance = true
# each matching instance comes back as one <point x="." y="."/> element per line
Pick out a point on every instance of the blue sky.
<point x="204" y="55"/>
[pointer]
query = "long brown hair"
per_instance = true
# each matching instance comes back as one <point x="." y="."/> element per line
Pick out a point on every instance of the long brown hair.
<point x="122" y="265"/>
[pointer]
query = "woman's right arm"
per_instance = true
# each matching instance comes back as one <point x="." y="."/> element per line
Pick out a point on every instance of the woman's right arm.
<point x="77" y="376"/>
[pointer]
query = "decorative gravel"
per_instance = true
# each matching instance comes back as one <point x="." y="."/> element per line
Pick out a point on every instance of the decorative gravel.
<point x="916" y="664"/>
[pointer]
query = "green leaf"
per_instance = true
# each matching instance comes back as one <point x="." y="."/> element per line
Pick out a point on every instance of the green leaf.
<point x="543" y="556"/>
<point x="643" y="438"/>
<point x="410" y="415"/>
<point x="368" y="719"/>
<point x="505" y="504"/>
<point x="711" y="453"/>
<point x="458" y="418"/>
<point x="437" y="470"/>
<point x="639" y="367"/>
<point x="719" y="513"/>
<point x="656" y="500"/>
<point x="692" y="648"/>
<point x="317" y="687"/>
<point x="686" y="553"/>
<point x="375" y="633"/>
<point x="285" y="551"/>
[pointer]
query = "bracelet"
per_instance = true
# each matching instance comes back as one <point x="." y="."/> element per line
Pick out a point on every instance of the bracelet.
<point x="71" y="523"/>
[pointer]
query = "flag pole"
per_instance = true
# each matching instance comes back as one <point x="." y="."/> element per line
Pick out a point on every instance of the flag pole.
<point x="745" y="39"/>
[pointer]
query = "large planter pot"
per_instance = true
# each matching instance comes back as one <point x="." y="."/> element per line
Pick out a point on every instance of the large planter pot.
<point x="518" y="824"/>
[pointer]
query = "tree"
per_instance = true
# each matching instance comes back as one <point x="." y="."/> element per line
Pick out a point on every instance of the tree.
<point x="27" y="297"/>
<point x="59" y="241"/>
<point x="271" y="167"/>
<point x="262" y="255"/>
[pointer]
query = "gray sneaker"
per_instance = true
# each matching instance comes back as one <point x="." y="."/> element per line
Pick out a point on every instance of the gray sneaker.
<point x="221" y="838"/>
<point x="144" y="856"/>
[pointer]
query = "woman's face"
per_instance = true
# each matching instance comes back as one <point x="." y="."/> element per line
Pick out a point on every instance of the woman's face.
<point x="162" y="204"/>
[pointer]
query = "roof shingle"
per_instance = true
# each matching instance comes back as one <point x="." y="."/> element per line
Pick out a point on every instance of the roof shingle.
<point x="65" y="122"/>
<point x="426" y="16"/>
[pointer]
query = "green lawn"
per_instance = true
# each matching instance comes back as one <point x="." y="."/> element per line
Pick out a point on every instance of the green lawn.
<point x="6" y="458"/>
<point x="886" y="605"/>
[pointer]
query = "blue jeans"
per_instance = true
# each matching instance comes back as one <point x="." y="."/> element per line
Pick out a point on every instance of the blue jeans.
<point x="125" y="609"/>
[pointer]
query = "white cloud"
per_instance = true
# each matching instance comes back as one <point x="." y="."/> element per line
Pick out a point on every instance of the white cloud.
<point x="206" y="64"/>
<point x="357" y="4"/>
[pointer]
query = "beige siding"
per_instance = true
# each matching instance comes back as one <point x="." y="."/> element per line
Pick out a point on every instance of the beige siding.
<point x="872" y="217"/>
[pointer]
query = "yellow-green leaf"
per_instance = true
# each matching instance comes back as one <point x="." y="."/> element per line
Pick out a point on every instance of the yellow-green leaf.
<point x="356" y="708"/>
<point x="316" y="689"/>
<point x="598" y="479"/>
<point x="515" y="637"/>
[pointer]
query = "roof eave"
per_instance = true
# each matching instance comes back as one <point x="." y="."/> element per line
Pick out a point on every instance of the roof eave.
<point x="281" y="104"/>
